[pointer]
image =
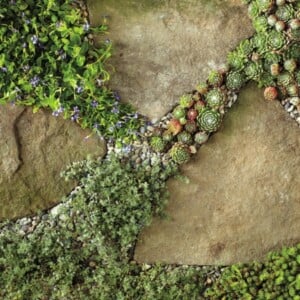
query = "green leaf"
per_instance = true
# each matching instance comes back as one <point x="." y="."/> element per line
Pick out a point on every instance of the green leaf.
<point x="80" y="60"/>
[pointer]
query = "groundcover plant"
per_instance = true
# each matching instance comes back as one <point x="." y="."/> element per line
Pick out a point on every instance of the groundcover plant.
<point x="47" y="60"/>
<point x="84" y="248"/>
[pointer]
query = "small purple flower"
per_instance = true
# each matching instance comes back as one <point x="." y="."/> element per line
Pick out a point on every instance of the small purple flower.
<point x="27" y="21"/>
<point x="86" y="27"/>
<point x="116" y="96"/>
<point x="135" y="116"/>
<point x="34" y="39"/>
<point x="79" y="89"/>
<point x="24" y="45"/>
<point x="115" y="110"/>
<point x="35" y="81"/>
<point x="119" y="124"/>
<point x="75" y="109"/>
<point x="61" y="109"/>
<point x="57" y="112"/>
<point x="94" y="103"/>
<point x="74" y="117"/>
<point x="111" y="129"/>
<point x="3" y="69"/>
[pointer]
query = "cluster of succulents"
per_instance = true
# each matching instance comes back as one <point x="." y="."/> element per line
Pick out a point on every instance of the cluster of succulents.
<point x="197" y="115"/>
<point x="180" y="153"/>
<point x="271" y="57"/>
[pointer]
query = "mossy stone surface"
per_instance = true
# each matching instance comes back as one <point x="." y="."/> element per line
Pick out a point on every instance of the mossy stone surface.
<point x="34" y="149"/>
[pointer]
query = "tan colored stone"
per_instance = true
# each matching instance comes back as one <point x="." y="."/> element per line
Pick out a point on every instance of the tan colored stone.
<point x="34" y="149"/>
<point x="162" y="49"/>
<point x="244" y="193"/>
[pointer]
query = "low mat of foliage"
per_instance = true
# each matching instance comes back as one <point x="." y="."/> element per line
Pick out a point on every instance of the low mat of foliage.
<point x="47" y="60"/>
<point x="277" y="278"/>
<point x="85" y="251"/>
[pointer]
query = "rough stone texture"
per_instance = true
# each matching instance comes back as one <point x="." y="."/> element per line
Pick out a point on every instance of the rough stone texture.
<point x="162" y="49"/>
<point x="34" y="149"/>
<point x="244" y="193"/>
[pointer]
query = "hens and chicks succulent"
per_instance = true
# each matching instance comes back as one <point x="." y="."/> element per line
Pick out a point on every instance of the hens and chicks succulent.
<point x="271" y="57"/>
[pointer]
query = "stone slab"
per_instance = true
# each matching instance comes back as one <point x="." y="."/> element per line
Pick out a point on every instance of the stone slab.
<point x="244" y="193"/>
<point x="163" y="48"/>
<point x="34" y="149"/>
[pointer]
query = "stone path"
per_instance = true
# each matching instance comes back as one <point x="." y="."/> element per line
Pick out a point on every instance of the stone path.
<point x="34" y="149"/>
<point x="243" y="197"/>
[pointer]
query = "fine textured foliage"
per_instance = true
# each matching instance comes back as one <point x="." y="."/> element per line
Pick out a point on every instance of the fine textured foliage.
<point x="84" y="251"/>
<point x="47" y="60"/>
<point x="277" y="278"/>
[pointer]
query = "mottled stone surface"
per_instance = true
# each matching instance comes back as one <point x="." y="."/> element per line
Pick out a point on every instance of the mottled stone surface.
<point x="244" y="193"/>
<point x="34" y="149"/>
<point x="163" y="48"/>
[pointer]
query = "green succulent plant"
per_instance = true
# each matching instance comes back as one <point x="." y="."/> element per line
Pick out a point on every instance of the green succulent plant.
<point x="190" y="126"/>
<point x="295" y="34"/>
<point x="215" y="78"/>
<point x="290" y="65"/>
<point x="253" y="10"/>
<point x="209" y="120"/>
<point x="180" y="153"/>
<point x="201" y="137"/>
<point x="285" y="12"/>
<point x="253" y="70"/>
<point x="178" y="112"/>
<point x="271" y="58"/>
<point x="266" y="79"/>
<point x="185" y="138"/>
<point x="284" y="79"/>
<point x="186" y="101"/>
<point x="157" y="143"/>
<point x="264" y="5"/>
<point x="260" y="24"/>
<point x="297" y="76"/>
<point x="260" y="43"/>
<point x="167" y="136"/>
<point x="245" y="48"/>
<point x="236" y="60"/>
<point x="293" y="51"/>
<point x="235" y="80"/>
<point x="215" y="98"/>
<point x="276" y="40"/>
<point x="292" y="90"/>
<point x="202" y="88"/>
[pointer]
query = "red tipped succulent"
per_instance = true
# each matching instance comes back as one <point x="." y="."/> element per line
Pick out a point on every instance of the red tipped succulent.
<point x="174" y="126"/>
<point x="270" y="93"/>
<point x="192" y="114"/>
<point x="199" y="105"/>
